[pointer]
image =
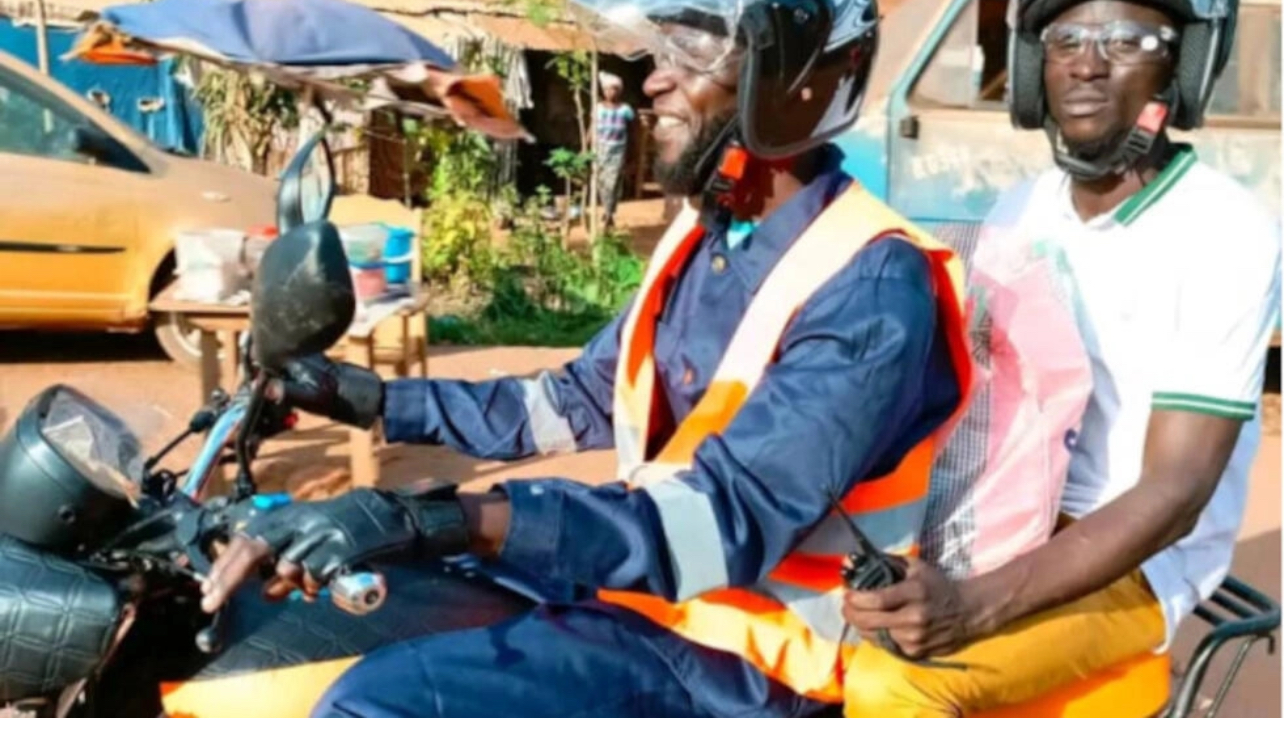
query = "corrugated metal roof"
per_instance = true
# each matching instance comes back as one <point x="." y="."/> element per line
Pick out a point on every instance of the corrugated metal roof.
<point x="514" y="8"/>
<point x="442" y="20"/>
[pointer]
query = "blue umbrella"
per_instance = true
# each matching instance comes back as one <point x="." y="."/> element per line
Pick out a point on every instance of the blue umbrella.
<point x="278" y="32"/>
<point x="310" y="44"/>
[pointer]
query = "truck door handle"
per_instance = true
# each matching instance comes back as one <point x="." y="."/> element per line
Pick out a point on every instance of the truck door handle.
<point x="909" y="126"/>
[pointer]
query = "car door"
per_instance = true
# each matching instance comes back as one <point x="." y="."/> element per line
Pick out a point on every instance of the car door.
<point x="67" y="218"/>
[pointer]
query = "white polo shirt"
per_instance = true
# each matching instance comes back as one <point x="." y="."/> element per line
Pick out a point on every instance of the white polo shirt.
<point x="1178" y="293"/>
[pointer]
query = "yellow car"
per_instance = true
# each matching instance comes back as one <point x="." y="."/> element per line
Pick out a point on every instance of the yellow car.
<point x="89" y="212"/>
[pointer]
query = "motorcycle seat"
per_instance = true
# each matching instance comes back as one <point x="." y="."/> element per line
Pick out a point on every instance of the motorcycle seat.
<point x="1138" y="687"/>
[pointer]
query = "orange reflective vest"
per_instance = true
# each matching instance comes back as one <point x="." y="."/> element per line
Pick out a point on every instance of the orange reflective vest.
<point x="789" y="625"/>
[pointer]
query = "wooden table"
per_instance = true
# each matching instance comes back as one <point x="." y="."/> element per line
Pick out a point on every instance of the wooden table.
<point x="221" y="327"/>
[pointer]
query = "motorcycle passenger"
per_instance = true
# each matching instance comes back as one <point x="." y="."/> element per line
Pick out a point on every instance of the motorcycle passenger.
<point x="1178" y="272"/>
<point x="793" y="343"/>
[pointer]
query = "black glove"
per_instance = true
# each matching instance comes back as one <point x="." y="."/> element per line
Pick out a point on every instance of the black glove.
<point x="324" y="537"/>
<point x="342" y="392"/>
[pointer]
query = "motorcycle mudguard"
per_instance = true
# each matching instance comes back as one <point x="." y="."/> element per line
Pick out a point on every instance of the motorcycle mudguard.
<point x="279" y="658"/>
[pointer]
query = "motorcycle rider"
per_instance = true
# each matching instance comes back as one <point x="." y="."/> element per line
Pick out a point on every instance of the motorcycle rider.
<point x="1178" y="272"/>
<point x="794" y="344"/>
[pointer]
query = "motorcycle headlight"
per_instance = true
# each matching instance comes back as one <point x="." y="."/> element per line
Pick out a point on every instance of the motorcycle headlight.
<point x="69" y="470"/>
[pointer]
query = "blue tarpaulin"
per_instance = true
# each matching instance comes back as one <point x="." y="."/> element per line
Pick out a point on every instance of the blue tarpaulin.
<point x="284" y="32"/>
<point x="174" y="123"/>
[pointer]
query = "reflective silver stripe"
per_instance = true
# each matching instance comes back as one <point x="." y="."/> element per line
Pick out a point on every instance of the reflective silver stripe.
<point x="823" y="611"/>
<point x="551" y="431"/>
<point x="628" y="448"/>
<point x="695" y="542"/>
<point x="653" y="472"/>
<point x="893" y="529"/>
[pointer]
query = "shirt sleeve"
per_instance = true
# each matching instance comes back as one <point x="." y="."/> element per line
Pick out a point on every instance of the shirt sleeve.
<point x="510" y="418"/>
<point x="1227" y="312"/>
<point x="846" y="399"/>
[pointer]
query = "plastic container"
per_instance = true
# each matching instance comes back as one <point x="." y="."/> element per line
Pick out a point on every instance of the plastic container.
<point x="257" y="240"/>
<point x="211" y="284"/>
<point x="398" y="254"/>
<point x="208" y="247"/>
<point x="369" y="280"/>
<point x="209" y="264"/>
<point x="364" y="244"/>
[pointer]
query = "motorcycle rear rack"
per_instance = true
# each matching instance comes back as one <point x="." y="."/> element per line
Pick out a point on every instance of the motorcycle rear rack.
<point x="1236" y="612"/>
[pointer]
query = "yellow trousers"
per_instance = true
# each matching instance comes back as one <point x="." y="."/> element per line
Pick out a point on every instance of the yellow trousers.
<point x="1028" y="659"/>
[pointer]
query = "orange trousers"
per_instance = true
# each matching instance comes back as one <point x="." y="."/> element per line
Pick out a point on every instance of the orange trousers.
<point x="1023" y="662"/>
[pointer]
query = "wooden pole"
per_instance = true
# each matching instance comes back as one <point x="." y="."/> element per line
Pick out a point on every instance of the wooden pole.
<point x="593" y="189"/>
<point x="42" y="38"/>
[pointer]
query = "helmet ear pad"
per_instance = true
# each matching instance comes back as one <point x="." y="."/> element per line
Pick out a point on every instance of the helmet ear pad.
<point x="1196" y="68"/>
<point x="1027" y="103"/>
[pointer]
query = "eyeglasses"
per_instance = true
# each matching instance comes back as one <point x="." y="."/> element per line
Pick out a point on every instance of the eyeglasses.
<point x="699" y="52"/>
<point x="1121" y="42"/>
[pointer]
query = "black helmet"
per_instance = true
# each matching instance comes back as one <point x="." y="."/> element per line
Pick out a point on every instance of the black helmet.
<point x="806" y="63"/>
<point x="1207" y="31"/>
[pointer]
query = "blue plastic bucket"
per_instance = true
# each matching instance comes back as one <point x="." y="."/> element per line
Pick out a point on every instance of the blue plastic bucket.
<point x="397" y="254"/>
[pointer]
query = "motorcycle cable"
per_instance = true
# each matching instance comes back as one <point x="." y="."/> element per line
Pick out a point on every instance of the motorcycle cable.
<point x="245" y="486"/>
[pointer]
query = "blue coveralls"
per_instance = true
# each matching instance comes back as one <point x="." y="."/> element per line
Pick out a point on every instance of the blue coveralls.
<point x="863" y="375"/>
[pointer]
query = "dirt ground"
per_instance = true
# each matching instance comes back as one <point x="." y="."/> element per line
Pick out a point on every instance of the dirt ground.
<point x="129" y="374"/>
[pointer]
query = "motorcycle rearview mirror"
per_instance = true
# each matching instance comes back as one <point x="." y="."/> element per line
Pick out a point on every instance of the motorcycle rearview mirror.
<point x="302" y="299"/>
<point x="307" y="186"/>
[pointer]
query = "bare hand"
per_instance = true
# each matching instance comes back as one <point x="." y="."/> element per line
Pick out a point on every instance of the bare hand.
<point x="925" y="614"/>
<point x="244" y="557"/>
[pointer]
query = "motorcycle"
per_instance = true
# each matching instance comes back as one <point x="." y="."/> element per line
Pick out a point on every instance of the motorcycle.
<point x="99" y="607"/>
<point x="99" y="604"/>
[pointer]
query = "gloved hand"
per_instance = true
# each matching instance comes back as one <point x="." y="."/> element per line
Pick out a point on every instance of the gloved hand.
<point x="339" y="391"/>
<point x="312" y="541"/>
<point x="324" y="536"/>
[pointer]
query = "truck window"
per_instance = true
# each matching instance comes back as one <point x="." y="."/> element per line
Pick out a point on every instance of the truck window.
<point x="1249" y="88"/>
<point x="968" y="70"/>
<point x="969" y="67"/>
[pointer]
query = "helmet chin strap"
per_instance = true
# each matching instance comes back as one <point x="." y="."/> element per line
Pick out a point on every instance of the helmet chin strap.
<point x="720" y="169"/>
<point x="1135" y="147"/>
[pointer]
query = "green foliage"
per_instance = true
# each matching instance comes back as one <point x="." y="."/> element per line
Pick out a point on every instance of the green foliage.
<point x="533" y="289"/>
<point x="244" y="110"/>
<point x="541" y="293"/>
<point x="575" y="67"/>
<point x="540" y="12"/>
<point x="573" y="167"/>
<point x="457" y="225"/>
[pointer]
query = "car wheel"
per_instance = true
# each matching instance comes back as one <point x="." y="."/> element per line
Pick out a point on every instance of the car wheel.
<point x="180" y="340"/>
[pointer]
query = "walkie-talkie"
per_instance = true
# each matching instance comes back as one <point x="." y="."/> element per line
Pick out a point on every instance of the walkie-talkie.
<point x="870" y="568"/>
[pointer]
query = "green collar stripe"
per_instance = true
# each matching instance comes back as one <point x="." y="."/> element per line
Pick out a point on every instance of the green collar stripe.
<point x="1207" y="405"/>
<point x="1148" y="195"/>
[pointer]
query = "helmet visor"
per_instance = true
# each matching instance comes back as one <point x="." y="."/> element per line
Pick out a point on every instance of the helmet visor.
<point x="699" y="35"/>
